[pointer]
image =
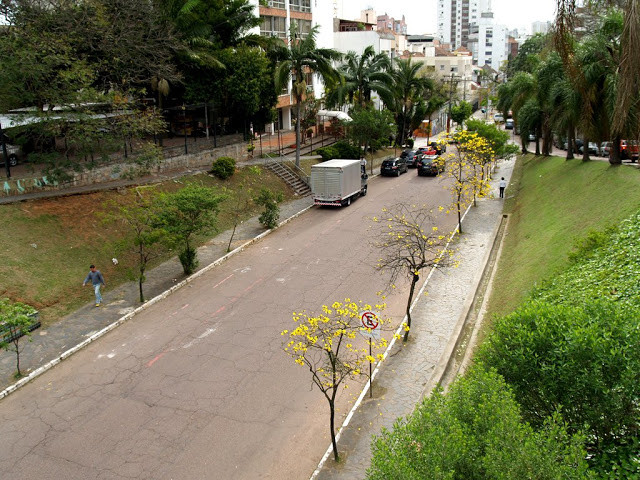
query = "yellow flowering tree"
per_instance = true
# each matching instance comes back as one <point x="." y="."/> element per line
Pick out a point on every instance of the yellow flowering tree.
<point x="409" y="241"/>
<point x="466" y="162"/>
<point x="329" y="345"/>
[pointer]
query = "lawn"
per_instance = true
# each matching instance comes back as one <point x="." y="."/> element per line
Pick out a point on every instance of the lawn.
<point x="553" y="202"/>
<point x="49" y="244"/>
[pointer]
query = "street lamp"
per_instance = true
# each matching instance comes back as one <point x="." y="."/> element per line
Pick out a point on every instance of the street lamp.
<point x="5" y="156"/>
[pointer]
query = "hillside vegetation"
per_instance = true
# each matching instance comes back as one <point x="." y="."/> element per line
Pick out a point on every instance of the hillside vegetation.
<point x="553" y="203"/>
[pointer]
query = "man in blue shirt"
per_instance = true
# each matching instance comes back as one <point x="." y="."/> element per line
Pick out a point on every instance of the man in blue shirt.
<point x="97" y="280"/>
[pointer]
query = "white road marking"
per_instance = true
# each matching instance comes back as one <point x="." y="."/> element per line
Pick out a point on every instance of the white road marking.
<point x="205" y="334"/>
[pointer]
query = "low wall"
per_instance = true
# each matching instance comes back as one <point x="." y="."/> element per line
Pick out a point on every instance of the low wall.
<point x="123" y="170"/>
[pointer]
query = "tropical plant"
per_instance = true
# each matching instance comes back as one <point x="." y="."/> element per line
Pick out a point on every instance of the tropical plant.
<point x="298" y="58"/>
<point x="361" y="75"/>
<point x="406" y="98"/>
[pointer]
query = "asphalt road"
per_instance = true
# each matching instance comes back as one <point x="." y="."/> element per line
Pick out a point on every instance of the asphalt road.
<point x="197" y="386"/>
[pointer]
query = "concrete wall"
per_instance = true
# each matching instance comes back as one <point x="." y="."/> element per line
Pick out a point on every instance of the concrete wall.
<point x="122" y="171"/>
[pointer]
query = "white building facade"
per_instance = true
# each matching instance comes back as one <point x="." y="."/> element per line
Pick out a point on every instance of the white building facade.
<point x="454" y="20"/>
<point x="276" y="20"/>
<point x="488" y="42"/>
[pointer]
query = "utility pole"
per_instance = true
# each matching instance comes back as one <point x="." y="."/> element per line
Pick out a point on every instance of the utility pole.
<point x="450" y="101"/>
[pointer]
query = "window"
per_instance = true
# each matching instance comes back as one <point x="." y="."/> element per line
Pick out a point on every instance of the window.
<point x="304" y="26"/>
<point x="441" y="67"/>
<point x="273" y="27"/>
<point x="300" y="5"/>
<point x="276" y="4"/>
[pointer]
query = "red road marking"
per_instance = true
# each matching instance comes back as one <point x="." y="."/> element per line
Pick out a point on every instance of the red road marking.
<point x="184" y="306"/>
<point x="158" y="357"/>
<point x="219" y="310"/>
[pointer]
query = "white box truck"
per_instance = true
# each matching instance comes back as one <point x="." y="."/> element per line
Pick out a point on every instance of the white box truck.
<point x="337" y="182"/>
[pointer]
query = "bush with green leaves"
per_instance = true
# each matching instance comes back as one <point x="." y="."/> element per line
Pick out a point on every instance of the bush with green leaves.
<point x="475" y="431"/>
<point x="409" y="142"/>
<point x="327" y="153"/>
<point x="583" y="361"/>
<point x="185" y="214"/>
<point x="223" y="167"/>
<point x="347" y="151"/>
<point x="15" y="322"/>
<point x="269" y="200"/>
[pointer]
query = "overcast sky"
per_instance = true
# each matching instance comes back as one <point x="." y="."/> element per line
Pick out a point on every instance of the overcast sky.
<point x="420" y="15"/>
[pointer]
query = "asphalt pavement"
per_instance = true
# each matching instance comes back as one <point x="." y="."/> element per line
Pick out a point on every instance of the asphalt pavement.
<point x="410" y="371"/>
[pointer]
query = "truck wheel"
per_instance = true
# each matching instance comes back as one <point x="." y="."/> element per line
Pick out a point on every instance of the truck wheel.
<point x="364" y="192"/>
<point x="13" y="160"/>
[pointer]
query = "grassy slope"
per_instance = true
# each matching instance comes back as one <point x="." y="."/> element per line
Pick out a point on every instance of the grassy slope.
<point x="47" y="245"/>
<point x="555" y="203"/>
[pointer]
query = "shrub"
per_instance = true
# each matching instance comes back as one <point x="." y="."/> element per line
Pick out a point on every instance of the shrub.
<point x="475" y="432"/>
<point x="582" y="360"/>
<point x="409" y="142"/>
<point x="269" y="200"/>
<point x="223" y="167"/>
<point x="346" y="150"/>
<point x="327" y="153"/>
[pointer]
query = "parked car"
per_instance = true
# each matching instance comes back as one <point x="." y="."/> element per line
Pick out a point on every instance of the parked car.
<point x="408" y="154"/>
<point x="394" y="166"/>
<point x="411" y="158"/>
<point x="14" y="153"/>
<point x="605" y="148"/>
<point x="592" y="148"/>
<point x="430" y="165"/>
<point x="629" y="150"/>
<point x="498" y="118"/>
<point x="509" y="124"/>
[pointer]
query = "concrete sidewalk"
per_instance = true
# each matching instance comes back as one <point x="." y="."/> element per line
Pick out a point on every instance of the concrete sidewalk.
<point x="413" y="369"/>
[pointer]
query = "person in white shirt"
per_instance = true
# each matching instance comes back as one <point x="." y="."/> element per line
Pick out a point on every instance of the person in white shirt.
<point x="503" y="185"/>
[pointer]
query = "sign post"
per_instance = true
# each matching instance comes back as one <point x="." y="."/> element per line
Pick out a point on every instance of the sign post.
<point x="371" y="330"/>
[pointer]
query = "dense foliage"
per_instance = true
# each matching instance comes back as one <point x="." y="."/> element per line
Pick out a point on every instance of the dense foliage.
<point x="574" y="347"/>
<point x="223" y="167"/>
<point x="475" y="431"/>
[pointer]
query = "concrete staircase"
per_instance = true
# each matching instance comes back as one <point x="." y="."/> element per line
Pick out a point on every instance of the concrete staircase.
<point x="293" y="177"/>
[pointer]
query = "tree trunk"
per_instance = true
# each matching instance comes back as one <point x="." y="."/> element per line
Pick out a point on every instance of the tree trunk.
<point x="332" y="409"/>
<point x="414" y="281"/>
<point x="17" y="345"/>
<point x="585" y="150"/>
<point x="615" y="155"/>
<point x="298" y="110"/>
<point x="570" y="143"/>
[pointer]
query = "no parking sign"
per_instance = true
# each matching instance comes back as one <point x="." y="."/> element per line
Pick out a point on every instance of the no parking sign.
<point x="370" y="324"/>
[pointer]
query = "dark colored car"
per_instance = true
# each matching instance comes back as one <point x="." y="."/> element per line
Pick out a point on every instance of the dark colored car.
<point x="410" y="156"/>
<point x="430" y="165"/>
<point x="394" y="166"/>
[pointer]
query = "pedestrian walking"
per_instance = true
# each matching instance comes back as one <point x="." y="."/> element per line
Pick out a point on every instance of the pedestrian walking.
<point x="503" y="185"/>
<point x="97" y="280"/>
<point x="363" y="165"/>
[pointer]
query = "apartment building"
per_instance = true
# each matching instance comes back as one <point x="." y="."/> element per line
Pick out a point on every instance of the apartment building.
<point x="277" y="17"/>
<point x="488" y="42"/>
<point x="454" y="20"/>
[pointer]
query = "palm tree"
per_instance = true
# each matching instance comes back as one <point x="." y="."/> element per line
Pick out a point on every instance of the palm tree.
<point x="620" y="41"/>
<point x="300" y="57"/>
<point x="362" y="75"/>
<point x="406" y="98"/>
